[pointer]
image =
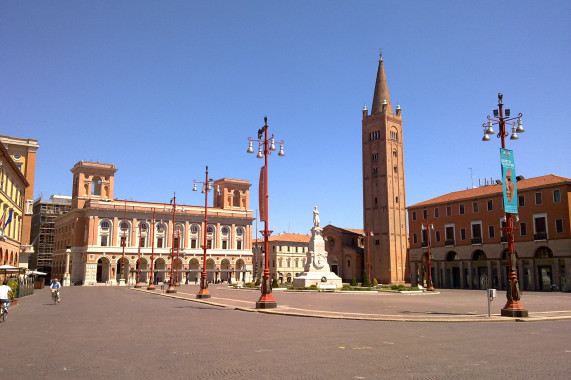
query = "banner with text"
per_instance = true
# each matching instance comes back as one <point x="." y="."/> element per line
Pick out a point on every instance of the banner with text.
<point x="262" y="195"/>
<point x="509" y="181"/>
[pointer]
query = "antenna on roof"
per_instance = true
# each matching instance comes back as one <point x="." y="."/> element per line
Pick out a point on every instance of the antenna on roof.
<point x="471" y="177"/>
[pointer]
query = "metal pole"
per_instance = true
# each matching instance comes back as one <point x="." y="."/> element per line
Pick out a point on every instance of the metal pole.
<point x="204" y="292"/>
<point x="151" y="278"/>
<point x="172" y="288"/>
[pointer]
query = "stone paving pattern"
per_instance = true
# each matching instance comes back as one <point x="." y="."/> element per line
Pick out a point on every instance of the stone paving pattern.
<point x="102" y="332"/>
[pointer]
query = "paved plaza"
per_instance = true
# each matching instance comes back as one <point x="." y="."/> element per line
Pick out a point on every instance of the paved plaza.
<point x="102" y="332"/>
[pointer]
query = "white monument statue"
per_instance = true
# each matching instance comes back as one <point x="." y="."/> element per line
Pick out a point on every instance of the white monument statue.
<point x="316" y="270"/>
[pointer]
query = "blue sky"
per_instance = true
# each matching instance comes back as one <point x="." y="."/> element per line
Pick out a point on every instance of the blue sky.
<point x="163" y="88"/>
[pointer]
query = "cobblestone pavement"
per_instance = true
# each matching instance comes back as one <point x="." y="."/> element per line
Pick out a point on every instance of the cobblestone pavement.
<point x="102" y="332"/>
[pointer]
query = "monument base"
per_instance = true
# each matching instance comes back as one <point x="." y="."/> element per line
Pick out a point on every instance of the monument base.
<point x="319" y="279"/>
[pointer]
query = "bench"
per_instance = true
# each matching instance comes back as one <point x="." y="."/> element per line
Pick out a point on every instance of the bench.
<point x="327" y="287"/>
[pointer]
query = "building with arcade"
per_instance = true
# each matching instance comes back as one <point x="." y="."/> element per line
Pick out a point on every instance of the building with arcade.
<point x="103" y="240"/>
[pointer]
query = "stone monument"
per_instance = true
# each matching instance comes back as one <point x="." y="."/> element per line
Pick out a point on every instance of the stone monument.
<point x="316" y="270"/>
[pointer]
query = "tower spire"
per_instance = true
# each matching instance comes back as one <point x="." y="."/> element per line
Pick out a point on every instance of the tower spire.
<point x="381" y="96"/>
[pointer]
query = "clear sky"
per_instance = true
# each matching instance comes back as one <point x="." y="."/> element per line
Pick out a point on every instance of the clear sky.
<point x="163" y="88"/>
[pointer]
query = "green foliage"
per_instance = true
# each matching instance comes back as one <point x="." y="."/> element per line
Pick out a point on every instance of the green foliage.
<point x="401" y="287"/>
<point x="258" y="281"/>
<point x="375" y="282"/>
<point x="275" y="283"/>
<point x="313" y="287"/>
<point x="366" y="282"/>
<point x="394" y="287"/>
<point x="353" y="282"/>
<point x="346" y="287"/>
<point x="14" y="286"/>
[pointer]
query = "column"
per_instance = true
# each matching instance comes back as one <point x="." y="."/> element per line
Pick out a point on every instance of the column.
<point x="413" y="274"/>
<point x="470" y="276"/>
<point x="490" y="281"/>
<point x="462" y="276"/>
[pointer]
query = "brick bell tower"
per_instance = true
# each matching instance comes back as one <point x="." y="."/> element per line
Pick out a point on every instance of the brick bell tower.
<point x="384" y="198"/>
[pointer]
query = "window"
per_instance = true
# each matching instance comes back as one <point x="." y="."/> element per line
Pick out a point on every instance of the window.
<point x="490" y="205"/>
<point x="123" y="239"/>
<point x="142" y="241"/>
<point x="413" y="215"/>
<point x="104" y="241"/>
<point x="375" y="157"/>
<point x="461" y="208"/>
<point x="414" y="239"/>
<point x="239" y="232"/>
<point x="374" y="135"/>
<point x="540" y="226"/>
<point x="437" y="235"/>
<point x="476" y="232"/>
<point x="394" y="153"/>
<point x="194" y="229"/>
<point x="105" y="225"/>
<point x="538" y="199"/>
<point x="239" y="244"/>
<point x="209" y="244"/>
<point x="523" y="229"/>
<point x="396" y="199"/>
<point x="377" y="242"/>
<point x="491" y="232"/>
<point x="448" y="211"/>
<point x="556" y="196"/>
<point x="395" y="169"/>
<point x="375" y="171"/>
<point x="424" y="214"/>
<point x="475" y="207"/>
<point x="394" y="135"/>
<point x="436" y="212"/>
<point x="521" y="201"/>
<point x="193" y="243"/>
<point x="449" y="234"/>
<point x="224" y="244"/>
<point x="559" y="226"/>
<point x="462" y="234"/>
<point x="160" y="242"/>
<point x="176" y="242"/>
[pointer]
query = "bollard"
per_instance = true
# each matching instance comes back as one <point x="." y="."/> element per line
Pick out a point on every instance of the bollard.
<point x="491" y="295"/>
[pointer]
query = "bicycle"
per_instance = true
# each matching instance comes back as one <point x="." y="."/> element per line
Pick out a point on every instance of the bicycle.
<point x="55" y="296"/>
<point x="3" y="311"/>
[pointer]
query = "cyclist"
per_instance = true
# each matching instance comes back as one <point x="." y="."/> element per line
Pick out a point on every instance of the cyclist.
<point x="55" y="286"/>
<point x="5" y="290"/>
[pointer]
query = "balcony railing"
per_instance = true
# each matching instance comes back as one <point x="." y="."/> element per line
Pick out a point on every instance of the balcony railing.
<point x="477" y="240"/>
<point x="540" y="236"/>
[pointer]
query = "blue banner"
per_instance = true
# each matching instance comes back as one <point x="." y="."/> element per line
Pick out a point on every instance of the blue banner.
<point x="509" y="181"/>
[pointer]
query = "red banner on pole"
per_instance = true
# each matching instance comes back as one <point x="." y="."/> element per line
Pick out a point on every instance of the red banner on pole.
<point x="262" y="195"/>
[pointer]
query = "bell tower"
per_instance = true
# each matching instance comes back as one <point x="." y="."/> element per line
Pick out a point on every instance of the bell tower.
<point x="234" y="194"/>
<point x="92" y="180"/>
<point x="384" y="199"/>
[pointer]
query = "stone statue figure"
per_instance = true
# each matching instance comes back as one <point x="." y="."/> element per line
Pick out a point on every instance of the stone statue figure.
<point x="315" y="217"/>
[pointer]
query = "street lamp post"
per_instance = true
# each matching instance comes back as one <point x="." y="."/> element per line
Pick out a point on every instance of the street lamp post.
<point x="171" y="288"/>
<point x="138" y="283"/>
<point x="428" y="227"/>
<point x="265" y="146"/>
<point x="151" y="273"/>
<point x="206" y="187"/>
<point x="367" y="234"/>
<point x="513" y="307"/>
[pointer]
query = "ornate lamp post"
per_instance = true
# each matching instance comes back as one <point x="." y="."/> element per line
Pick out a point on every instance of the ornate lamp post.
<point x="171" y="288"/>
<point x="138" y="283"/>
<point x="265" y="146"/>
<point x="206" y="187"/>
<point x="513" y="307"/>
<point x="123" y="279"/>
<point x="428" y="227"/>
<point x="151" y="273"/>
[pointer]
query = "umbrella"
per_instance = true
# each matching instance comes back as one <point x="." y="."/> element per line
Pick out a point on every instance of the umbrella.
<point x="35" y="273"/>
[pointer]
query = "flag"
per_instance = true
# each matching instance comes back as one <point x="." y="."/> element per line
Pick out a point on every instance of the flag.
<point x="262" y="195"/>
<point x="9" y="218"/>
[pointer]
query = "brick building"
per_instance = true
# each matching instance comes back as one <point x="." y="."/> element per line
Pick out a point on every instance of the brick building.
<point x="384" y="198"/>
<point x="468" y="249"/>
<point x="92" y="238"/>
<point x="345" y="252"/>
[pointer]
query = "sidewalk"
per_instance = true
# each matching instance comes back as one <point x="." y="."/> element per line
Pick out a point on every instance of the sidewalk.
<point x="447" y="305"/>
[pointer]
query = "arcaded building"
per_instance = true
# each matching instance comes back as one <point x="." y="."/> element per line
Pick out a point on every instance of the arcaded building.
<point x="469" y="249"/>
<point x="384" y="197"/>
<point x="103" y="240"/>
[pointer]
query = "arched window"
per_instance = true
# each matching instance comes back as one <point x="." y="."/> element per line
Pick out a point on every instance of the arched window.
<point x="210" y="237"/>
<point x="160" y="235"/>
<point x="124" y="234"/>
<point x="179" y="236"/>
<point x="239" y="238"/>
<point x="225" y="237"/>
<point x="143" y="233"/>
<point x="96" y="186"/>
<point x="105" y="233"/>
<point x="194" y="236"/>
<point x="236" y="198"/>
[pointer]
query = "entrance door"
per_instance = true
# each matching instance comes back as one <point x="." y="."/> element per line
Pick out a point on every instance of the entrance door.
<point x="455" y="277"/>
<point x="545" y="279"/>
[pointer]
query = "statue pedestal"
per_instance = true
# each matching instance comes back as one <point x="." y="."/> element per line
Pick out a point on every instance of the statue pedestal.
<point x="317" y="271"/>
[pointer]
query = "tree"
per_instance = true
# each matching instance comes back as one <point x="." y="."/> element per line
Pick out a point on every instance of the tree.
<point x="366" y="282"/>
